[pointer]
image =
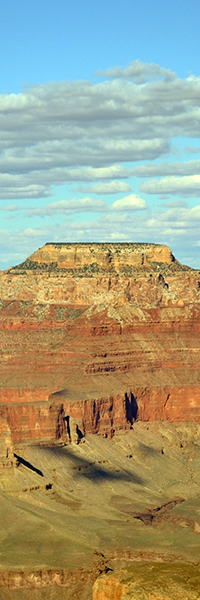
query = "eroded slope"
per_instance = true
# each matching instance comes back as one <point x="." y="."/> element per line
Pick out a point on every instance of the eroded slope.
<point x="69" y="513"/>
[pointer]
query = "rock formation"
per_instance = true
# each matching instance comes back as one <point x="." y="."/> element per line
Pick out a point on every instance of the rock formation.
<point x="6" y="445"/>
<point x="98" y="338"/>
<point x="150" y="582"/>
<point x="95" y="336"/>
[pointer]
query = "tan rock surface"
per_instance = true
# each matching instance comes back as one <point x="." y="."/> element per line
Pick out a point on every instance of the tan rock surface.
<point x="99" y="505"/>
<point x="6" y="445"/>
<point x="150" y="582"/>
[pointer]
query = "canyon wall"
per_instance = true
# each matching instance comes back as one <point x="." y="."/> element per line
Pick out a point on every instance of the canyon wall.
<point x="94" y="336"/>
<point x="150" y="582"/>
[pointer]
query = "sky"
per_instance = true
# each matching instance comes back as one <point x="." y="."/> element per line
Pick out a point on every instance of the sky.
<point x="99" y="124"/>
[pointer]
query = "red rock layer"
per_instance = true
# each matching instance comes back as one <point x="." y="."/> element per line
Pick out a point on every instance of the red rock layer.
<point x="36" y="422"/>
<point x="107" y="415"/>
<point x="106" y="332"/>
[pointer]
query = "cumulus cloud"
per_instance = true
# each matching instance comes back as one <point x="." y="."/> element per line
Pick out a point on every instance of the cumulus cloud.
<point x="80" y="205"/>
<point x="129" y="203"/>
<point x="176" y="226"/>
<point x="13" y="188"/>
<point x="112" y="187"/>
<point x="69" y="207"/>
<point x="187" y="186"/>
<point x="192" y="149"/>
<point x="175" y="204"/>
<point x="81" y="131"/>
<point x="10" y="208"/>
<point x="138" y="71"/>
<point x="191" y="167"/>
<point x="97" y="173"/>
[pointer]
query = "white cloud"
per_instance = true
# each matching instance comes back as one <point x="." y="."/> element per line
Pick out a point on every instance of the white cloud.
<point x="187" y="186"/>
<point x="10" y="208"/>
<point x="138" y="71"/>
<point x="76" y="205"/>
<point x="176" y="226"/>
<point x="192" y="149"/>
<point x="112" y="187"/>
<point x="129" y="203"/>
<point x="97" y="173"/>
<point x="175" y="204"/>
<point x="12" y="189"/>
<point x="80" y="131"/>
<point x="191" y="167"/>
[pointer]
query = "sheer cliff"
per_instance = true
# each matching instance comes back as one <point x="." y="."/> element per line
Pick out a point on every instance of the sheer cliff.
<point x="95" y="336"/>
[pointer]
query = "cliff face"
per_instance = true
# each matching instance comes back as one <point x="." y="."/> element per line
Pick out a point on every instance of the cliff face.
<point x="76" y="274"/>
<point x="6" y="445"/>
<point x="36" y="421"/>
<point x="100" y="334"/>
<point x="164" y="582"/>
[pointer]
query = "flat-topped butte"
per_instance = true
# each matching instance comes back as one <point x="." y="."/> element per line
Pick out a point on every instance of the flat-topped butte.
<point x="88" y="259"/>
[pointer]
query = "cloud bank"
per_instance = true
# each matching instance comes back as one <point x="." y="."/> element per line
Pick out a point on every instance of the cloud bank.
<point x="81" y="131"/>
<point x="174" y="225"/>
<point x="92" y="135"/>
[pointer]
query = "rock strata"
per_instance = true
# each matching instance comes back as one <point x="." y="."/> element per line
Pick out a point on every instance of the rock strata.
<point x="150" y="582"/>
<point x="95" y="336"/>
<point x="6" y="445"/>
<point x="43" y="578"/>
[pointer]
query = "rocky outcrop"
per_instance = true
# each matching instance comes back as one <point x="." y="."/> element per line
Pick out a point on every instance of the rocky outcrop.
<point x="109" y="588"/>
<point x="105" y="256"/>
<point x="110" y="414"/>
<point x="43" y="578"/>
<point x="6" y="445"/>
<point x="150" y="582"/>
<point x="76" y="274"/>
<point x="63" y="421"/>
<point x="32" y="422"/>
<point x="95" y="336"/>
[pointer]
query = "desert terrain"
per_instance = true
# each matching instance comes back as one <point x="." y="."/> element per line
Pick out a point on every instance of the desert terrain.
<point x="100" y="425"/>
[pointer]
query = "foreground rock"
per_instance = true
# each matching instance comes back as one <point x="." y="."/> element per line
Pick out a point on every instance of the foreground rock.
<point x="72" y="513"/>
<point x="150" y="582"/>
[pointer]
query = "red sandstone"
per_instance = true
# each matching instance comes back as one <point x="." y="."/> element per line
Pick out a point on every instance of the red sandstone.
<point x="101" y="333"/>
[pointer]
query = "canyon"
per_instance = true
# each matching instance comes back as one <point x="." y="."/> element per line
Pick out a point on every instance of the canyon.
<point x="101" y="333"/>
<point x="99" y="394"/>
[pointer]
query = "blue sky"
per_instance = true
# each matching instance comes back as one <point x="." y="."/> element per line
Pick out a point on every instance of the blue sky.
<point x="99" y="124"/>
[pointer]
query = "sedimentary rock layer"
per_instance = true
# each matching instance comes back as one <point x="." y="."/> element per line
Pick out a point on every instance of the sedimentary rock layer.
<point x="101" y="334"/>
<point x="149" y="582"/>
<point x="43" y="578"/>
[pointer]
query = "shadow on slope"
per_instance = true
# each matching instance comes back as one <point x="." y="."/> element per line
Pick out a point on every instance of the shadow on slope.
<point x="92" y="470"/>
<point x="22" y="461"/>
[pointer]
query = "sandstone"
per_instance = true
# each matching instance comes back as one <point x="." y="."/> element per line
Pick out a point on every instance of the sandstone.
<point x="6" y="445"/>
<point x="32" y="422"/>
<point x="102" y="334"/>
<point x="42" y="578"/>
<point x="150" y="582"/>
<point x="108" y="588"/>
<point x="107" y="256"/>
